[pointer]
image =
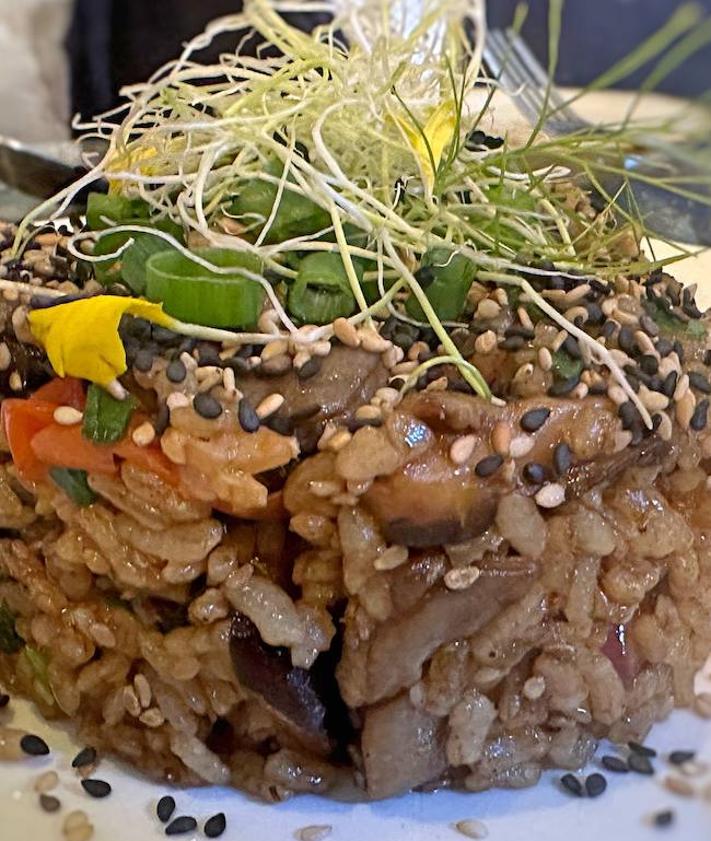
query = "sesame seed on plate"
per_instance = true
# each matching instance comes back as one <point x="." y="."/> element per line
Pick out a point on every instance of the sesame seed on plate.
<point x="471" y="828"/>
<point x="521" y="446"/>
<point x="181" y="825"/>
<point x="462" y="449"/>
<point x="96" y="788"/>
<point x="642" y="750"/>
<point x="34" y="745"/>
<point x="165" y="808"/>
<point x="679" y="786"/>
<point x="679" y="757"/>
<point x="699" y="418"/>
<point x="663" y="819"/>
<point x="533" y="420"/>
<point x="49" y="803"/>
<point x="461" y="578"/>
<point x="176" y="371"/>
<point x="207" y="406"/>
<point x="615" y="764"/>
<point x="144" y="434"/>
<point x="248" y="418"/>
<point x="572" y="785"/>
<point x="46" y="782"/>
<point x="313" y="833"/>
<point x="215" y="826"/>
<point x="562" y="459"/>
<point x="534" y="473"/>
<point x="272" y="403"/>
<point x="4" y="700"/>
<point x="640" y="764"/>
<point x="595" y="785"/>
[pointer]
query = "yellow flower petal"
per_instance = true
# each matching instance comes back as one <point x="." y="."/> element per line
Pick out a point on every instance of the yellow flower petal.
<point x="82" y="339"/>
<point x="438" y="132"/>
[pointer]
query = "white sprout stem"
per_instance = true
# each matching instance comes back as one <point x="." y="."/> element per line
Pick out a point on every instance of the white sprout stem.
<point x="348" y="260"/>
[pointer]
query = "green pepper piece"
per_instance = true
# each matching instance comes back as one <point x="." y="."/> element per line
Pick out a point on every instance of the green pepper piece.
<point x="118" y="209"/>
<point x="449" y="279"/>
<point x="105" y="417"/>
<point x="322" y="291"/>
<point x="74" y="483"/>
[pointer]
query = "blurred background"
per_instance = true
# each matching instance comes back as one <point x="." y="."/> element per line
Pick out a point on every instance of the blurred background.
<point x="61" y="57"/>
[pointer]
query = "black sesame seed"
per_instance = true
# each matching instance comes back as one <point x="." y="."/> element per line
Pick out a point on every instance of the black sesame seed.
<point x="699" y="382"/>
<point x="493" y="142"/>
<point x="34" y="745"/>
<point x="475" y="139"/>
<point x="669" y="385"/>
<point x="237" y="364"/>
<point x="679" y="350"/>
<point x="215" y="826"/>
<point x="49" y="803"/>
<point x="663" y="819"/>
<point x="143" y="361"/>
<point x="655" y="384"/>
<point x="628" y="414"/>
<point x="248" y="418"/>
<point x="647" y="324"/>
<point x="572" y="785"/>
<point x="176" y="372"/>
<point x="638" y="430"/>
<point x="534" y="473"/>
<point x="707" y="358"/>
<point x="640" y="764"/>
<point x="595" y="313"/>
<point x="309" y="369"/>
<point x="571" y="347"/>
<point x="664" y="347"/>
<point x="85" y="757"/>
<point x="488" y="465"/>
<point x="562" y="387"/>
<point x="513" y="343"/>
<point x="519" y="330"/>
<point x="208" y="355"/>
<point x="595" y="785"/>
<point x="562" y="459"/>
<point x="165" y="808"/>
<point x="615" y="764"/>
<point x="679" y="757"/>
<point x="4" y="700"/>
<point x="656" y="421"/>
<point x="608" y="329"/>
<point x="164" y="336"/>
<point x="649" y="364"/>
<point x="181" y="825"/>
<point x="690" y="308"/>
<point x="162" y="418"/>
<point x="207" y="406"/>
<point x="625" y="340"/>
<point x="534" y="419"/>
<point x="599" y="387"/>
<point x="700" y="417"/>
<point x="96" y="788"/>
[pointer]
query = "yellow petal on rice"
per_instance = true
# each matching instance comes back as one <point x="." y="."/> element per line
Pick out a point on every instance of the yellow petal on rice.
<point x="438" y="133"/>
<point x="82" y="339"/>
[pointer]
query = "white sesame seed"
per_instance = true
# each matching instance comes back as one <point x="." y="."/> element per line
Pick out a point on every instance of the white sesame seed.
<point x="679" y="786"/>
<point x="623" y="438"/>
<point x="313" y="833"/>
<point x="152" y="717"/>
<point x="617" y="394"/>
<point x="523" y="372"/>
<point x="682" y="387"/>
<point x="645" y="343"/>
<point x="684" y="409"/>
<point x="462" y="449"/>
<point x="46" y="782"/>
<point x="702" y="704"/>
<point x="521" y="446"/>
<point x="626" y="318"/>
<point x="416" y="348"/>
<point x="210" y="380"/>
<point x="576" y="312"/>
<point x="144" y="434"/>
<point x="545" y="359"/>
<point x="440" y="384"/>
<point x="67" y="416"/>
<point x="404" y="368"/>
<point x="274" y="349"/>
<point x="550" y="496"/>
<point x="580" y="392"/>
<point x="5" y="357"/>
<point x="461" y="578"/>
<point x="339" y="440"/>
<point x="143" y="690"/>
<point x="324" y="489"/>
<point x="15" y="381"/>
<point x="653" y="401"/>
<point x="665" y="427"/>
<point x="301" y="358"/>
<point x="116" y="390"/>
<point x="368" y="413"/>
<point x="75" y="819"/>
<point x="269" y="322"/>
<point x="321" y="348"/>
<point x="190" y="362"/>
<point x="391" y="558"/>
<point x="472" y="829"/>
<point x="373" y="342"/>
<point x="488" y="308"/>
<point x="576" y="294"/>
<point x="346" y="333"/>
<point x="524" y="318"/>
<point x="534" y="687"/>
<point x="608" y="306"/>
<point x="501" y="438"/>
<point x="228" y="383"/>
<point x="177" y="400"/>
<point x="388" y="395"/>
<point x="392" y="356"/>
<point x="500" y="296"/>
<point x="620" y="357"/>
<point x="485" y="343"/>
<point x="557" y="343"/>
<point x="269" y="405"/>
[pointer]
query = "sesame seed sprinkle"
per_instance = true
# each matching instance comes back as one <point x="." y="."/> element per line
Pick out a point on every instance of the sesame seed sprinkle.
<point x="488" y="465"/>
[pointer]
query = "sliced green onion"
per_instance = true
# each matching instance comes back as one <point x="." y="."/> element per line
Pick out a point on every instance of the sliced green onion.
<point x="296" y="215"/>
<point x="322" y="291"/>
<point x="100" y="206"/>
<point x="446" y="279"/>
<point x="192" y="293"/>
<point x="75" y="484"/>
<point x="105" y="417"/>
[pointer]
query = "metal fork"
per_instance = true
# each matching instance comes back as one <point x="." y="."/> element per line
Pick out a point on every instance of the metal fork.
<point x="511" y="61"/>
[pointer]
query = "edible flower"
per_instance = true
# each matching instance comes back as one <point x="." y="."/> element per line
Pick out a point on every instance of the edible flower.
<point x="82" y="339"/>
<point x="429" y="142"/>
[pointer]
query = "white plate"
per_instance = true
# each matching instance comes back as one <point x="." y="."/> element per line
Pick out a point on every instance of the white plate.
<point x="543" y="813"/>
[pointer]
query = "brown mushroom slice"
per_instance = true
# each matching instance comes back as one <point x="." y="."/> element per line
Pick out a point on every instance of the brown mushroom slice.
<point x="402" y="747"/>
<point x="289" y="692"/>
<point x="398" y="649"/>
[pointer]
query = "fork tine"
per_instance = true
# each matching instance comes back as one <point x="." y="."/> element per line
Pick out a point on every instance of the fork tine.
<point x="497" y="54"/>
<point x="527" y="89"/>
<point x="536" y="70"/>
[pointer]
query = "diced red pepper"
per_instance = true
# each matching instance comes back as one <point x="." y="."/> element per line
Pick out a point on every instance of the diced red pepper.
<point x="62" y="392"/>
<point x="21" y="421"/>
<point x="65" y="446"/>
